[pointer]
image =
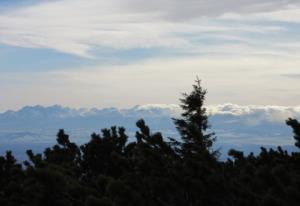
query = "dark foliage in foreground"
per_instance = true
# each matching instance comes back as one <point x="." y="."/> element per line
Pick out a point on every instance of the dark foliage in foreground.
<point x="152" y="170"/>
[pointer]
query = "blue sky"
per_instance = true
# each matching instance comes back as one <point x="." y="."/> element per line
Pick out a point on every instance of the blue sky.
<point x="125" y="52"/>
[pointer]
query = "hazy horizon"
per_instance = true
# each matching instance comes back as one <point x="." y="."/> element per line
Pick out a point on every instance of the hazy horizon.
<point x="240" y="127"/>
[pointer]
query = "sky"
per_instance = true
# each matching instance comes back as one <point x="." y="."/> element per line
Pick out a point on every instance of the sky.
<point x="121" y="53"/>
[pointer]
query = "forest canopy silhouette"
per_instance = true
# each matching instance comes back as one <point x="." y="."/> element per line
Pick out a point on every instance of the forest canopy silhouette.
<point x="153" y="170"/>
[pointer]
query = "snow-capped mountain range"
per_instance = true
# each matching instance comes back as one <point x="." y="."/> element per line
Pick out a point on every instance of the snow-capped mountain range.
<point x="235" y="126"/>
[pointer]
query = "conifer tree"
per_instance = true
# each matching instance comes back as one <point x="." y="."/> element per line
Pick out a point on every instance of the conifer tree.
<point x="194" y="122"/>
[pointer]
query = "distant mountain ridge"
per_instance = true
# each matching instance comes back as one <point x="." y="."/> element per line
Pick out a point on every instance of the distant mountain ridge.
<point x="235" y="125"/>
<point x="153" y="109"/>
<point x="65" y="112"/>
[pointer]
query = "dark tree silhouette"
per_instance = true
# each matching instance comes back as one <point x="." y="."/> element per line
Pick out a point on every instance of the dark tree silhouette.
<point x="296" y="128"/>
<point x="194" y="122"/>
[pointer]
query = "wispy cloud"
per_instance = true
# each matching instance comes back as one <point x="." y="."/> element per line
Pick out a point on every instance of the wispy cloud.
<point x="79" y="27"/>
<point x="183" y="10"/>
<point x="290" y="14"/>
